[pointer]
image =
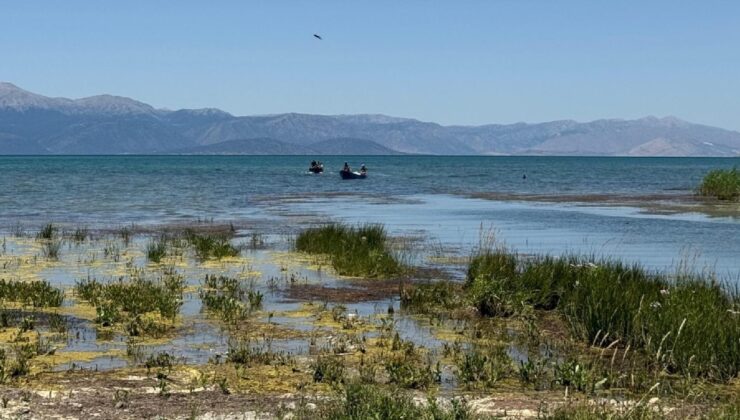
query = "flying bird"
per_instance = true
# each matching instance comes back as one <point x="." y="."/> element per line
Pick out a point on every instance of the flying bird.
<point x="317" y="36"/>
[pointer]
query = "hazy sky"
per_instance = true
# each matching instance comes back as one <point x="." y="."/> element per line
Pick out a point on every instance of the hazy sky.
<point x="453" y="62"/>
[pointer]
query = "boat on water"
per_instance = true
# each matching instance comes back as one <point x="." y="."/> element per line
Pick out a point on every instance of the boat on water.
<point x="316" y="167"/>
<point x="352" y="174"/>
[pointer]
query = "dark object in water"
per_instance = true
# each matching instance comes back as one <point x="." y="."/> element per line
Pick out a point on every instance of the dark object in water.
<point x="352" y="175"/>
<point x="316" y="167"/>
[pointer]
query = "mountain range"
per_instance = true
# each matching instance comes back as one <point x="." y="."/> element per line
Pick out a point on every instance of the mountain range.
<point x="35" y="124"/>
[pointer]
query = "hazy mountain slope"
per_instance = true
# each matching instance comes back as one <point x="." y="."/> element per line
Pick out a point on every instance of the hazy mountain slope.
<point x="32" y="123"/>
<point x="14" y="145"/>
<point x="259" y="146"/>
<point x="625" y="137"/>
<point x="115" y="136"/>
<point x="350" y="146"/>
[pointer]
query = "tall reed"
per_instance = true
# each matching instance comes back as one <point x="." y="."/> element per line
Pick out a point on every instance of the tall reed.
<point x="688" y="324"/>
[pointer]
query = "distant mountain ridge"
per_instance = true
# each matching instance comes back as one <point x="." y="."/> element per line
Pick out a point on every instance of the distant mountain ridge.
<point x="35" y="124"/>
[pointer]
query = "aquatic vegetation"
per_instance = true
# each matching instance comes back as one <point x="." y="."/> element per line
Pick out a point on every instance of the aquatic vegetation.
<point x="47" y="232"/>
<point x="57" y="323"/>
<point x="244" y="352"/>
<point x="132" y="300"/>
<point x="125" y="233"/>
<point x="229" y="298"/>
<point x="156" y="249"/>
<point x="552" y="325"/>
<point x="362" y="401"/>
<point x="408" y="371"/>
<point x="211" y="246"/>
<point x="354" y="251"/>
<point x="431" y="297"/>
<point x="483" y="364"/>
<point x="51" y="249"/>
<point x="688" y="324"/>
<point x="723" y="184"/>
<point x="39" y="294"/>
<point x="80" y="234"/>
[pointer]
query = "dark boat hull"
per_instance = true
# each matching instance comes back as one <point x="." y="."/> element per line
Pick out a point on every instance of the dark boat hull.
<point x="316" y="170"/>
<point x="352" y="175"/>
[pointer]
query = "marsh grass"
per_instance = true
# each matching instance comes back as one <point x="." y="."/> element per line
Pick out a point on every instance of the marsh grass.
<point x="354" y="251"/>
<point x="80" y="234"/>
<point x="228" y="298"/>
<point x="47" y="232"/>
<point x="129" y="300"/>
<point x="51" y="249"/>
<point x="125" y="233"/>
<point x="361" y="401"/>
<point x="329" y="369"/>
<point x="39" y="294"/>
<point x="429" y="298"/>
<point x="483" y="364"/>
<point x="51" y="243"/>
<point x="211" y="246"/>
<point x="687" y="325"/>
<point x="244" y="352"/>
<point x="156" y="249"/>
<point x="723" y="184"/>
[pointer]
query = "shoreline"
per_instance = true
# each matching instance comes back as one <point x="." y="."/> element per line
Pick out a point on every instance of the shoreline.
<point x="308" y="320"/>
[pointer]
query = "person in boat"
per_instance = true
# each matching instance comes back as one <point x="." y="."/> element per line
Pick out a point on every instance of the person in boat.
<point x="346" y="167"/>
<point x="363" y="169"/>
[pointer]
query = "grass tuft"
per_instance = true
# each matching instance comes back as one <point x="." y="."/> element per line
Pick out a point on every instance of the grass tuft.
<point x="211" y="246"/>
<point x="354" y="251"/>
<point x="39" y="294"/>
<point x="723" y="184"/>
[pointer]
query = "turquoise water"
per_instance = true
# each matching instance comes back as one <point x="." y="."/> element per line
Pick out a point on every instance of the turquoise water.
<point x="419" y="195"/>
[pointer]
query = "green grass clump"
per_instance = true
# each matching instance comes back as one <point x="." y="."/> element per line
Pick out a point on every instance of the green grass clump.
<point x="243" y="352"/>
<point x="723" y="184"/>
<point x="128" y="300"/>
<point x="354" y="251"/>
<point x="47" y="232"/>
<point x="39" y="294"/>
<point x="80" y="234"/>
<point x="328" y="369"/>
<point x="684" y="325"/>
<point x="359" y="402"/>
<point x="51" y="244"/>
<point x="431" y="297"/>
<point x="483" y="365"/>
<point x="211" y="246"/>
<point x="156" y="250"/>
<point x="229" y="298"/>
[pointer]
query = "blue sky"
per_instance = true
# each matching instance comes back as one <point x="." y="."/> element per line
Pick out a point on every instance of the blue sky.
<point x="469" y="62"/>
